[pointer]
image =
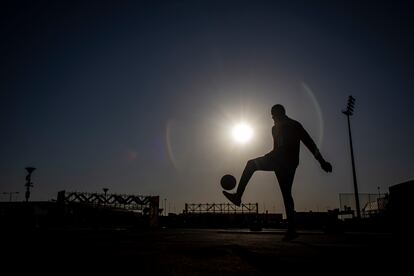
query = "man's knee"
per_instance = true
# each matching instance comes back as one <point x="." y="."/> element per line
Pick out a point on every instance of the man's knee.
<point x="251" y="165"/>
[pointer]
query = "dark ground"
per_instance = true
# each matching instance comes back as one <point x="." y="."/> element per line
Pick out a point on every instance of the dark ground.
<point x="202" y="252"/>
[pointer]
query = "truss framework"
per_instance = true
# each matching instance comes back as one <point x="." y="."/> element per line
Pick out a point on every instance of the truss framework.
<point x="221" y="208"/>
<point x="124" y="201"/>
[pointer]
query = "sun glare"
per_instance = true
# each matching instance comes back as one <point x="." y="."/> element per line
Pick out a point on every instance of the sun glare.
<point x="242" y="133"/>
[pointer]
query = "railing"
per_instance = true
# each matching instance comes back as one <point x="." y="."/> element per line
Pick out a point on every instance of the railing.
<point x="221" y="208"/>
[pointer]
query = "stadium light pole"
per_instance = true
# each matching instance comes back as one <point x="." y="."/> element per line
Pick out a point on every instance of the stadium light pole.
<point x="349" y="112"/>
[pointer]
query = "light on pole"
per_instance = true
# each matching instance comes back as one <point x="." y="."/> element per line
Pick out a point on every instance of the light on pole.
<point x="349" y="112"/>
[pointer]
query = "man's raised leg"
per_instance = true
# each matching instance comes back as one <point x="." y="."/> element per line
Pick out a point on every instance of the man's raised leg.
<point x="261" y="163"/>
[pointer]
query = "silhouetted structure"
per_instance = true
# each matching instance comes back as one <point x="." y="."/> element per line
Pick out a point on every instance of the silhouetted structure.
<point x="29" y="183"/>
<point x="327" y="221"/>
<point x="147" y="205"/>
<point x="400" y="205"/>
<point x="124" y="201"/>
<point x="105" y="190"/>
<point x="82" y="209"/>
<point x="349" y="112"/>
<point x="10" y="195"/>
<point x="221" y="208"/>
<point x="372" y="204"/>
<point x="223" y="215"/>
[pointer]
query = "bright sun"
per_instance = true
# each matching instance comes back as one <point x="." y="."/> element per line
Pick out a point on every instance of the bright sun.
<point x="242" y="133"/>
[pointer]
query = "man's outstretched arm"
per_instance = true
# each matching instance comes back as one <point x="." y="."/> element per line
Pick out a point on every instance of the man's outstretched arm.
<point x="310" y="144"/>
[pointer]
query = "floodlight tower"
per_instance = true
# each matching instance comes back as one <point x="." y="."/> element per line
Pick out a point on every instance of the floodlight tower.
<point x="29" y="183"/>
<point x="349" y="112"/>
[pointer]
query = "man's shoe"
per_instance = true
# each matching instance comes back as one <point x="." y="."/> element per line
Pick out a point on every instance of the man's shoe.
<point x="290" y="235"/>
<point x="234" y="198"/>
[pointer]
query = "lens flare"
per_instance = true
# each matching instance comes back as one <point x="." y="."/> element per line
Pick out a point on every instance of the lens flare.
<point x="318" y="110"/>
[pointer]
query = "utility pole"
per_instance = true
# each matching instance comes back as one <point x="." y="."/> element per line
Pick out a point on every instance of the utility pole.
<point x="349" y="112"/>
<point x="29" y="183"/>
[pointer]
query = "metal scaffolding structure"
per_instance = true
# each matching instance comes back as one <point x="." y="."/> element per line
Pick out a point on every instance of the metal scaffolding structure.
<point x="146" y="205"/>
<point x="123" y="201"/>
<point x="221" y="208"/>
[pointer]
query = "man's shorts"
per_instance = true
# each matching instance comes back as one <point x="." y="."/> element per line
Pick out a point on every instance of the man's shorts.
<point x="284" y="172"/>
<point x="273" y="162"/>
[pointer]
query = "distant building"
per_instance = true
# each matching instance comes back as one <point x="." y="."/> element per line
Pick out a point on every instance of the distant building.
<point x="401" y="207"/>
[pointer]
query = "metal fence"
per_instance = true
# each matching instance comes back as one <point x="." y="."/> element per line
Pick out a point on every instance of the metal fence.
<point x="370" y="204"/>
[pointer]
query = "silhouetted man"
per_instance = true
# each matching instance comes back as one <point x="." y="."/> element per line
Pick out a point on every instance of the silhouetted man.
<point x="283" y="160"/>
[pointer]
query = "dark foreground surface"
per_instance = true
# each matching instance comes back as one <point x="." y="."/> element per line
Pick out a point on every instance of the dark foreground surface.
<point x="202" y="252"/>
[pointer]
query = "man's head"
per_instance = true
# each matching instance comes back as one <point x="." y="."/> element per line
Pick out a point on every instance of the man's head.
<point x="278" y="112"/>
